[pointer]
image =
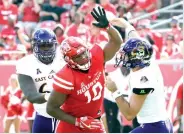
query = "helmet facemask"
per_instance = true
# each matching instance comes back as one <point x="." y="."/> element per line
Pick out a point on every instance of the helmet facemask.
<point x="123" y="57"/>
<point x="81" y="61"/>
<point x="76" y="53"/>
<point x="45" y="52"/>
<point x="131" y="59"/>
<point x="44" y="45"/>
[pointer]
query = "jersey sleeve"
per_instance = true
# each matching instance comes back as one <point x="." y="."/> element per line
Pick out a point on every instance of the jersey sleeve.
<point x="141" y="82"/>
<point x="143" y="85"/>
<point x="63" y="81"/>
<point x="98" y="53"/>
<point x="22" y="67"/>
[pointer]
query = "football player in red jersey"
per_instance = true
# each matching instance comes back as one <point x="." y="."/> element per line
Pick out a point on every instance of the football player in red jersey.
<point x="79" y="87"/>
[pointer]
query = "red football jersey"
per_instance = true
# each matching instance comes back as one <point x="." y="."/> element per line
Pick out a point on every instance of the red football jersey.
<point x="5" y="12"/>
<point x="85" y="90"/>
<point x="29" y="14"/>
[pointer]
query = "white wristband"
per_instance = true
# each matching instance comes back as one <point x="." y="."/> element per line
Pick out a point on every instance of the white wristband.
<point x="117" y="94"/>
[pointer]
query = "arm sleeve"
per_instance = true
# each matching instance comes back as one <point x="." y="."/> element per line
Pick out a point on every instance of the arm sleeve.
<point x="63" y="82"/>
<point x="143" y="86"/>
<point x="98" y="52"/>
<point x="142" y="82"/>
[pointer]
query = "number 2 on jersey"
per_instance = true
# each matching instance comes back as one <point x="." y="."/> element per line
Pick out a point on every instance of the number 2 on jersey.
<point x="97" y="95"/>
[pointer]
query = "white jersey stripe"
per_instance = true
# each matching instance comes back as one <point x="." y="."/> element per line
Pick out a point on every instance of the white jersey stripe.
<point x="63" y="81"/>
<point x="62" y="86"/>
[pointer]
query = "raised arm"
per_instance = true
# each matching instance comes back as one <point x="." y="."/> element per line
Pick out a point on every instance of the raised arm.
<point x="120" y="22"/>
<point x="115" y="40"/>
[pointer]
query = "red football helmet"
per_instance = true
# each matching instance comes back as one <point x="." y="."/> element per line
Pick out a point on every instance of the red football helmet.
<point x="75" y="53"/>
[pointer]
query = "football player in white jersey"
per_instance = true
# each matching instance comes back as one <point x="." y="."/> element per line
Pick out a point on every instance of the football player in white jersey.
<point x="146" y="99"/>
<point x="35" y="73"/>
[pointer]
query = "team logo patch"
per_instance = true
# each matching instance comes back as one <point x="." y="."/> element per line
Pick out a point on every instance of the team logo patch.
<point x="38" y="71"/>
<point x="144" y="79"/>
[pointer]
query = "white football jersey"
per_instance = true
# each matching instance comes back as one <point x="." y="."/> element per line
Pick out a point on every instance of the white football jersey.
<point x="41" y="74"/>
<point x="154" y="107"/>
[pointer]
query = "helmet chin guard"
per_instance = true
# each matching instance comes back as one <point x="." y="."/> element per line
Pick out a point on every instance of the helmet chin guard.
<point x="84" y="67"/>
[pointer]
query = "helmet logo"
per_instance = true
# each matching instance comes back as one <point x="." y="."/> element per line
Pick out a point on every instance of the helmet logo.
<point x="141" y="50"/>
<point x="66" y="47"/>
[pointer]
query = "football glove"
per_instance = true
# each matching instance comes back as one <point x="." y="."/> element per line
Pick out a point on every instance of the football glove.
<point x="89" y="123"/>
<point x="100" y="17"/>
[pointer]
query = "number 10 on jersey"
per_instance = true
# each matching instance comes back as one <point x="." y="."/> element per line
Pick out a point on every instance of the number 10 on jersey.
<point x="97" y="92"/>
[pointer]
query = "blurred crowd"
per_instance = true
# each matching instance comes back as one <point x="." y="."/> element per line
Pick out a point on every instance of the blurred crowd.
<point x="19" y="18"/>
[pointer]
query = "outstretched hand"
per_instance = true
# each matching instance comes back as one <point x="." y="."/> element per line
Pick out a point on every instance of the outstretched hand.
<point x="100" y="17"/>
